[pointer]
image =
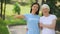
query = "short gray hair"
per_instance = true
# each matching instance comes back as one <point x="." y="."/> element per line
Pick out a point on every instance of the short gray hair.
<point x="45" y="6"/>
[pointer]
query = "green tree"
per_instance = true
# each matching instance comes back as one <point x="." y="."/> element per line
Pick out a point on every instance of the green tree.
<point x="7" y="1"/>
<point x="54" y="9"/>
<point x="17" y="8"/>
<point x="43" y="1"/>
<point x="1" y="8"/>
<point x="4" y="9"/>
<point x="33" y="1"/>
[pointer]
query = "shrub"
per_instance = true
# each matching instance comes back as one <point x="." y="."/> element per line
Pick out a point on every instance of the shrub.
<point x="3" y="28"/>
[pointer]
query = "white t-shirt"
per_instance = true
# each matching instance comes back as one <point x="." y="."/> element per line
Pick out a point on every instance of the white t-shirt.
<point x="47" y="21"/>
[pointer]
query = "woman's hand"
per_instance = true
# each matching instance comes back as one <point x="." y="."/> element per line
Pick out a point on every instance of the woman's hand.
<point x="41" y="25"/>
<point x="26" y="29"/>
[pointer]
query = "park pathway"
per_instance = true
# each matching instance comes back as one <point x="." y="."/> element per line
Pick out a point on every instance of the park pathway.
<point x="20" y="29"/>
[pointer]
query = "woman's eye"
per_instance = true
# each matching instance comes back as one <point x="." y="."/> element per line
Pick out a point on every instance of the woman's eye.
<point x="34" y="6"/>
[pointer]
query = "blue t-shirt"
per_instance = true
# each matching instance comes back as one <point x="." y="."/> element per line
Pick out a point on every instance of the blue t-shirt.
<point x="32" y="23"/>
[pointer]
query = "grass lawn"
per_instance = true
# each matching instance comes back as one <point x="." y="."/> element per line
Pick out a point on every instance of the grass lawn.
<point x="3" y="28"/>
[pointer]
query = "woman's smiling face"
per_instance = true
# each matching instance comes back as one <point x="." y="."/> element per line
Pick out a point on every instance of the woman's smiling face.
<point x="45" y="10"/>
<point x="35" y="8"/>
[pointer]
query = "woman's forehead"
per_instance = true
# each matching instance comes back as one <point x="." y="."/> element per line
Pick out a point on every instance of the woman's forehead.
<point x="35" y="5"/>
<point x="44" y="8"/>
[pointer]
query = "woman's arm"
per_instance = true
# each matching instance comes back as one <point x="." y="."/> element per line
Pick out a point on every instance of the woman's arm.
<point x="19" y="16"/>
<point x="26" y="29"/>
<point x="40" y="26"/>
<point x="52" y="26"/>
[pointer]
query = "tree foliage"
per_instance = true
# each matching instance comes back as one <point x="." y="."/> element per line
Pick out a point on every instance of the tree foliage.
<point x="17" y="8"/>
<point x="54" y="9"/>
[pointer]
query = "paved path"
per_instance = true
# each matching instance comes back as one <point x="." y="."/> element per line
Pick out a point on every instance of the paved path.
<point x="18" y="29"/>
<point x="21" y="29"/>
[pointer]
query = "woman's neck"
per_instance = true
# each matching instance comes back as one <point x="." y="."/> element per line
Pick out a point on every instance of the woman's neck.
<point x="46" y="15"/>
<point x="33" y="12"/>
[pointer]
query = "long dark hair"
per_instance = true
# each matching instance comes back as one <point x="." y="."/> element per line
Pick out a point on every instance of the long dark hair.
<point x="37" y="10"/>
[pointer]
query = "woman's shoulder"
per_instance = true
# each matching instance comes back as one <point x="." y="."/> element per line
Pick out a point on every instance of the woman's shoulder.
<point x="41" y="17"/>
<point x="53" y="16"/>
<point x="27" y="14"/>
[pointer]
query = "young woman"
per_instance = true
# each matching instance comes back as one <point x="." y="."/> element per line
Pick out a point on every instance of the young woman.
<point x="47" y="21"/>
<point x="32" y="19"/>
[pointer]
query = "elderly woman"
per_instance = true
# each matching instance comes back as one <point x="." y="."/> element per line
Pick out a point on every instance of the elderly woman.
<point x="47" y="21"/>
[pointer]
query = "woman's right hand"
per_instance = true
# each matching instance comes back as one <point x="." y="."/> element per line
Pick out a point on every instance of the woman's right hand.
<point x="41" y="26"/>
<point x="26" y="29"/>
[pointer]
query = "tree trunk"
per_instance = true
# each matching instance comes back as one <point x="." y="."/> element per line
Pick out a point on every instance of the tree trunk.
<point x="18" y="13"/>
<point x="43" y="2"/>
<point x="1" y="7"/>
<point x="36" y="1"/>
<point x="4" y="9"/>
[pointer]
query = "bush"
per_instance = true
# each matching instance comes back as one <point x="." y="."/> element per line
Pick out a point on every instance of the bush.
<point x="16" y="22"/>
<point x="3" y="28"/>
<point x="12" y="21"/>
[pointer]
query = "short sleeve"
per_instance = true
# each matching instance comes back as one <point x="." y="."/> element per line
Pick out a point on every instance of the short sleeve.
<point x="40" y="20"/>
<point x="26" y="16"/>
<point x="54" y="17"/>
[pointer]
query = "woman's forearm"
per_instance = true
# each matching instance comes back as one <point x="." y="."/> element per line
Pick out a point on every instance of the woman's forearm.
<point x="49" y="26"/>
<point x="19" y="16"/>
